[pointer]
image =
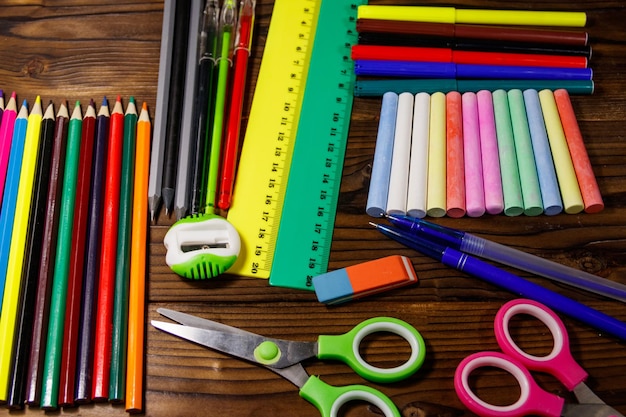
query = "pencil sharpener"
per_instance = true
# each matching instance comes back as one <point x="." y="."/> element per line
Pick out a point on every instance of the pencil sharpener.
<point x="201" y="246"/>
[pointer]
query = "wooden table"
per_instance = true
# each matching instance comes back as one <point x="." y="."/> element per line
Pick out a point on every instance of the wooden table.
<point x="79" y="50"/>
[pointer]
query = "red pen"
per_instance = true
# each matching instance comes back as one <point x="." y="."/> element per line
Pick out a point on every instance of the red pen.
<point x="245" y="24"/>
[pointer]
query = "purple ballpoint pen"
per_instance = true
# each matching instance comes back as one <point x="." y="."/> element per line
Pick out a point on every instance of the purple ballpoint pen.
<point x="504" y="279"/>
<point x="474" y="245"/>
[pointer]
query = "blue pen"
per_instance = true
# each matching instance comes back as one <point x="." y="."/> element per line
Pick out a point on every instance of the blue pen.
<point x="475" y="245"/>
<point x="385" y="68"/>
<point x="499" y="277"/>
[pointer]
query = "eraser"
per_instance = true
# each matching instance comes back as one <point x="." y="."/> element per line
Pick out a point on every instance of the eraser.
<point x="364" y="279"/>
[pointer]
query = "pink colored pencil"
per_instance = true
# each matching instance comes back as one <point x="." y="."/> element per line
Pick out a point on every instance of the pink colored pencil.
<point x="494" y="198"/>
<point x="474" y="189"/>
<point x="589" y="189"/>
<point x="6" y="134"/>
<point x="455" y="167"/>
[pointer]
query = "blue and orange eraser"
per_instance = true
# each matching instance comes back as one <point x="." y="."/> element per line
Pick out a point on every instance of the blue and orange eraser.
<point x="364" y="279"/>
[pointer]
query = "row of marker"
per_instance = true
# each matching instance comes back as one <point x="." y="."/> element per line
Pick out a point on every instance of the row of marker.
<point x="513" y="152"/>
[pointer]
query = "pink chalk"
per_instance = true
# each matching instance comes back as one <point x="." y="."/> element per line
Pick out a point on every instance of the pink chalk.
<point x="474" y="191"/>
<point x="492" y="181"/>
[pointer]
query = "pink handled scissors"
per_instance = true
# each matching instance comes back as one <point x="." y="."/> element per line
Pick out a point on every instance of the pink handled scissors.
<point x="533" y="399"/>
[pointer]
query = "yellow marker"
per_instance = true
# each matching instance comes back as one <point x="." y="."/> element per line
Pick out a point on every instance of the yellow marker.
<point x="563" y="165"/>
<point x="472" y="16"/>
<point x="436" y="191"/>
<point x="13" y="281"/>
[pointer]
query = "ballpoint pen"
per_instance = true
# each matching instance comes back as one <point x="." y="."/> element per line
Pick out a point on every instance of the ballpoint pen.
<point x="227" y="25"/>
<point x="504" y="279"/>
<point x="204" y="103"/>
<point x="475" y="245"/>
<point x="243" y="40"/>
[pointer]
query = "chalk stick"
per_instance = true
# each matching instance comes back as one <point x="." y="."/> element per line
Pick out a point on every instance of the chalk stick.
<point x="494" y="200"/>
<point x="550" y="194"/>
<point x="474" y="189"/>
<point x="509" y="172"/>
<point x="381" y="166"/>
<point x="584" y="172"/>
<point x="436" y="192"/>
<point x="399" y="180"/>
<point x="455" y="167"/>
<point x="364" y="279"/>
<point x="565" y="174"/>
<point x="418" y="168"/>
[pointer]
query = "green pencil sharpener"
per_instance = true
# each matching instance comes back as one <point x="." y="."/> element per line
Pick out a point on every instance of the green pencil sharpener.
<point x="201" y="246"/>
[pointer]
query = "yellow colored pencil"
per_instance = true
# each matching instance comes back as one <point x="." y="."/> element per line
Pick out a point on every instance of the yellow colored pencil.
<point x="10" y="299"/>
<point x="136" y="295"/>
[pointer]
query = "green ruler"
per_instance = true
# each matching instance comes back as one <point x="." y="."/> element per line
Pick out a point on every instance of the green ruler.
<point x="310" y="203"/>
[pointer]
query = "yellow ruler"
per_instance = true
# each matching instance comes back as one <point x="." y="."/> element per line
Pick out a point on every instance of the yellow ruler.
<point x="289" y="174"/>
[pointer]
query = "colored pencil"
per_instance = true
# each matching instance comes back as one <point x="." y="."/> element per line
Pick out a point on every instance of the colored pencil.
<point x="58" y="300"/>
<point x="534" y="35"/>
<point x="245" y="25"/>
<point x="14" y="268"/>
<point x="48" y="254"/>
<point x="455" y="166"/>
<point x="9" y="198"/>
<point x="117" y="378"/>
<point x="77" y="260"/>
<point x="110" y="218"/>
<point x="162" y="105"/>
<point x="28" y="292"/>
<point x="589" y="189"/>
<point x="84" y="360"/>
<point x="6" y="135"/>
<point x="136" y="307"/>
<point x="177" y="88"/>
<point x="425" y="54"/>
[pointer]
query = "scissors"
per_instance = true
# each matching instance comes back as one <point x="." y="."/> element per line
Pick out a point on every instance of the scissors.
<point x="533" y="399"/>
<point x="284" y="357"/>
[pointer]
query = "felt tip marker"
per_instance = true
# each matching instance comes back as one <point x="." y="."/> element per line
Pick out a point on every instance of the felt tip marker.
<point x="475" y="245"/>
<point x="504" y="279"/>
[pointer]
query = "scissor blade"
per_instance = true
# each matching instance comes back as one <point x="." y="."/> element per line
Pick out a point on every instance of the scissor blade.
<point x="193" y="321"/>
<point x="589" y="410"/>
<point x="243" y="346"/>
<point x="584" y="395"/>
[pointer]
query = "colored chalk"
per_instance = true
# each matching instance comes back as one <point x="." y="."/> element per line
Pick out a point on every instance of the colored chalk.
<point x="565" y="173"/>
<point x="550" y="194"/>
<point x="531" y="193"/>
<point x="398" y="183"/>
<point x="418" y="168"/>
<point x="364" y="279"/>
<point x="494" y="200"/>
<point x="509" y="172"/>
<point x="474" y="189"/>
<point x="455" y="175"/>
<point x="584" y="172"/>
<point x="436" y="193"/>
<point x="381" y="167"/>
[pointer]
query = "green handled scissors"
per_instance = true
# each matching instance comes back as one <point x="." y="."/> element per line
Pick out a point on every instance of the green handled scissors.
<point x="284" y="357"/>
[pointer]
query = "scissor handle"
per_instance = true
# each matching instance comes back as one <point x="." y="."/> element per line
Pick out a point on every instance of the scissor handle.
<point x="329" y="399"/>
<point x="345" y="347"/>
<point x="559" y="362"/>
<point x="532" y="401"/>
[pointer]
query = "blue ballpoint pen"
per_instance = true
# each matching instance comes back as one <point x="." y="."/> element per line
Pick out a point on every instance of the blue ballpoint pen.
<point x="504" y="279"/>
<point x="474" y="245"/>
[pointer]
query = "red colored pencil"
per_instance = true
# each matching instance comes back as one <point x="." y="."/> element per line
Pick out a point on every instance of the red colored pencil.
<point x="419" y="54"/>
<point x="77" y="258"/>
<point x="104" y="316"/>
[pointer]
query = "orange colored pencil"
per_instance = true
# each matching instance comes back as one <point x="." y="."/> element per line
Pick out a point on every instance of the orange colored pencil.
<point x="104" y="316"/>
<point x="136" y="295"/>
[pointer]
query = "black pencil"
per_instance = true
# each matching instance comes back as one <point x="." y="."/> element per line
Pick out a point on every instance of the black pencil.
<point x="16" y="395"/>
<point x="46" y="265"/>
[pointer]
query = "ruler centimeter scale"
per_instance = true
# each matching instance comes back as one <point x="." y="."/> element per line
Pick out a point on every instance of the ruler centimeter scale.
<point x="291" y="163"/>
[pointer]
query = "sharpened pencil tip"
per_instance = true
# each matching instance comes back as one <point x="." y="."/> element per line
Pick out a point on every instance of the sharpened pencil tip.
<point x="105" y="102"/>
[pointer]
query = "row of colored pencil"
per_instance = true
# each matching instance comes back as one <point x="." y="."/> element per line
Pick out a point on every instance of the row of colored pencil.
<point x="73" y="220"/>
<point x="393" y="52"/>
<point x="517" y="152"/>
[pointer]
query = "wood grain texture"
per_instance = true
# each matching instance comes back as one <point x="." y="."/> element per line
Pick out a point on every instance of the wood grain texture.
<point x="79" y="50"/>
